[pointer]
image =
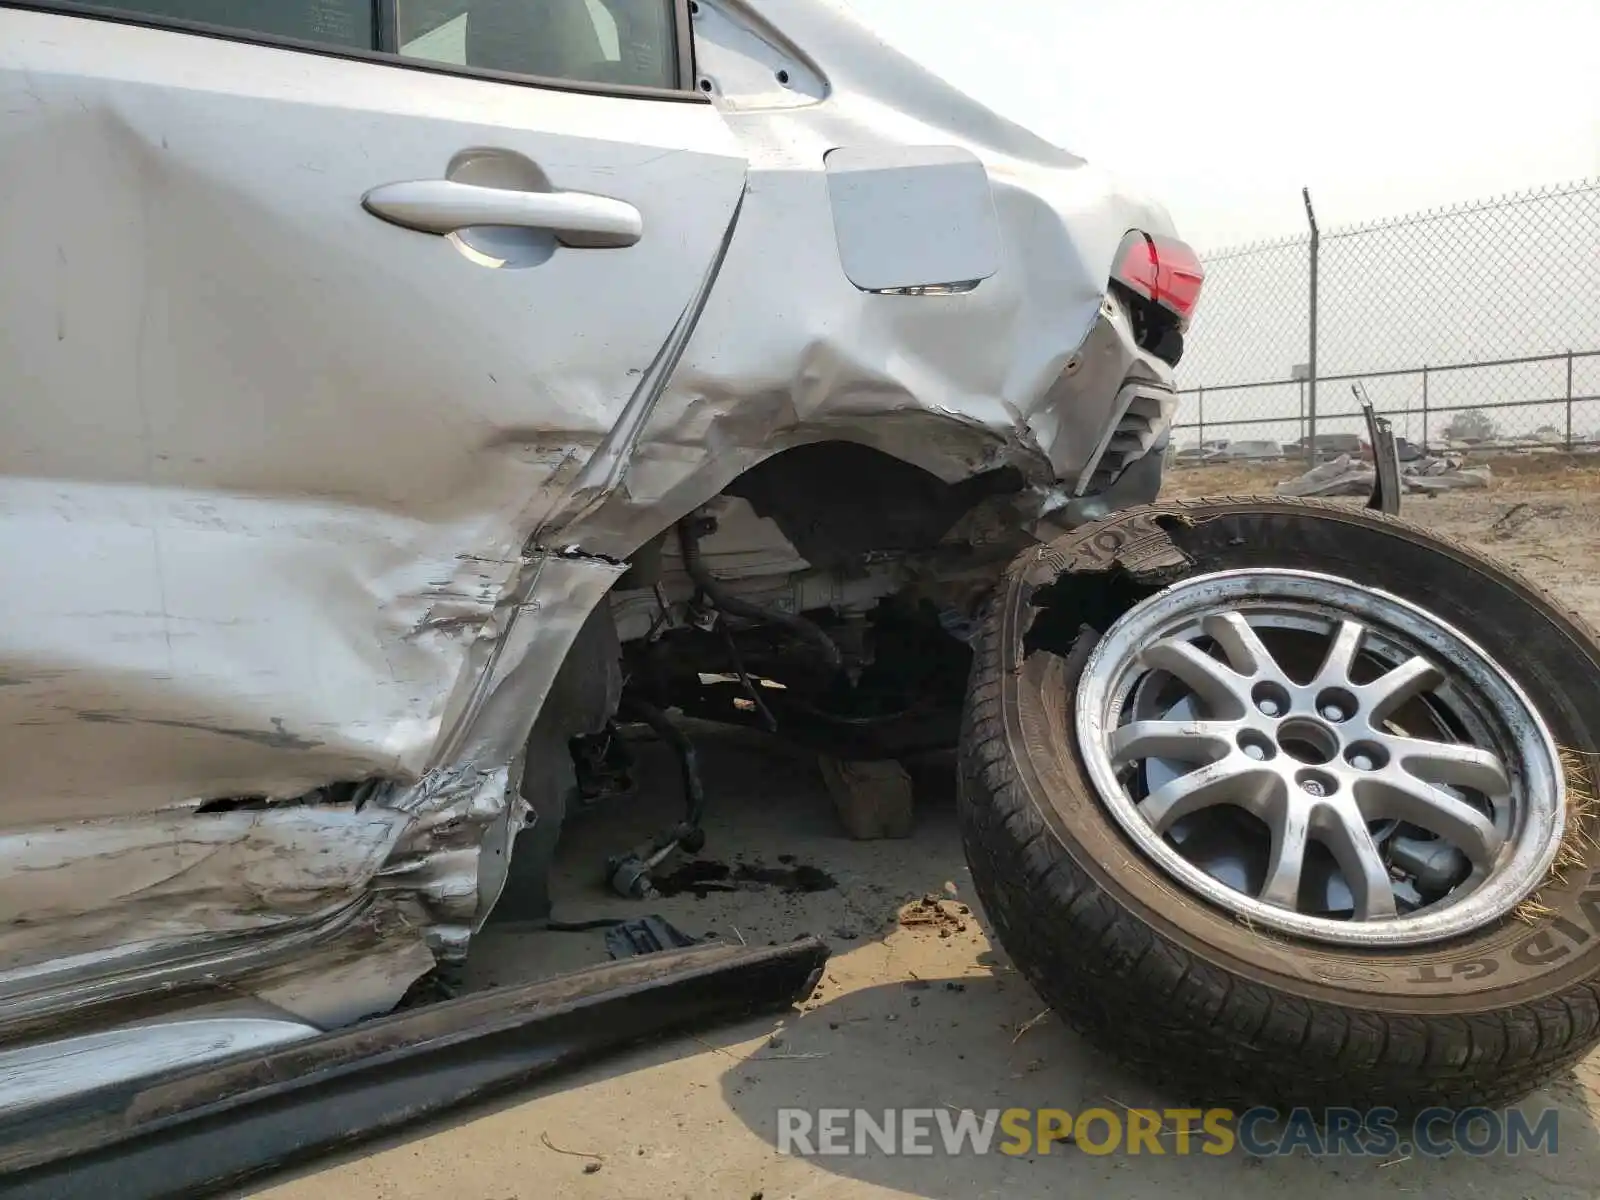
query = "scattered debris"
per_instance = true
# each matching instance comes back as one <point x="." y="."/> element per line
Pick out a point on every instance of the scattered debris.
<point x="789" y="1057"/>
<point x="1340" y="477"/>
<point x="589" y="1168"/>
<point x="714" y="1049"/>
<point x="1442" y="474"/>
<point x="646" y="935"/>
<point x="1345" y="476"/>
<point x="701" y="876"/>
<point x="932" y="912"/>
<point x="1511" y="522"/>
<point x="1029" y="1024"/>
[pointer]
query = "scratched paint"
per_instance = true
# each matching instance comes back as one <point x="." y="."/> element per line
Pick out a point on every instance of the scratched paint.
<point x="330" y="499"/>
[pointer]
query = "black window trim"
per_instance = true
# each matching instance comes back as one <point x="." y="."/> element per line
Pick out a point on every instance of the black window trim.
<point x="385" y="14"/>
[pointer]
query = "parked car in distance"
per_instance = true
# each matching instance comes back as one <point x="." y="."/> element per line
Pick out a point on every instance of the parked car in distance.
<point x="1252" y="451"/>
<point x="1212" y="450"/>
<point x="1330" y="446"/>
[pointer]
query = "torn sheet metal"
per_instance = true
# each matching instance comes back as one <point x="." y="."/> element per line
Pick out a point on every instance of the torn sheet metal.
<point x="1345" y="476"/>
<point x="1027" y="368"/>
<point x="77" y="893"/>
<point x="271" y="473"/>
<point x="1385" y="497"/>
<point x="416" y="865"/>
<point x="353" y="490"/>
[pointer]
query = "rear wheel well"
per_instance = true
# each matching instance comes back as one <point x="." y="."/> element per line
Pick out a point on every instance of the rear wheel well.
<point x="836" y="501"/>
<point x="839" y="501"/>
<point x="890" y="625"/>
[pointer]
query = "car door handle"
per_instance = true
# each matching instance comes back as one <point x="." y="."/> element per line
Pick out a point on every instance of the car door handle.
<point x="444" y="206"/>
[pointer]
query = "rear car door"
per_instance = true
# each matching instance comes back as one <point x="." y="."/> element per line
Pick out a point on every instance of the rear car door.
<point x="309" y="310"/>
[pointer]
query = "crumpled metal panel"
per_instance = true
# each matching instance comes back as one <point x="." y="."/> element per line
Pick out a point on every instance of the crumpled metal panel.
<point x="269" y="466"/>
<point x="86" y="898"/>
<point x="1022" y="370"/>
<point x="270" y="471"/>
<point x="305" y="528"/>
<point x="120" y="887"/>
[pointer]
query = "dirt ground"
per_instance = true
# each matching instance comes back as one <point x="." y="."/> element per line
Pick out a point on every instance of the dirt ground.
<point x="909" y="1013"/>
<point x="1540" y="514"/>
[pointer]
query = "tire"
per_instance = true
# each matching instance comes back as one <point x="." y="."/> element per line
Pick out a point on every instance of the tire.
<point x="1191" y="995"/>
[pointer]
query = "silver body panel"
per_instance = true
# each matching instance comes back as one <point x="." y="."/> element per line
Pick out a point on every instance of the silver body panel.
<point x="302" y="508"/>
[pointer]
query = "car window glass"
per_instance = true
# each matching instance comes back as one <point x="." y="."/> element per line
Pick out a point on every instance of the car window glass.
<point x="595" y="41"/>
<point x="629" y="42"/>
<point x="348" y="24"/>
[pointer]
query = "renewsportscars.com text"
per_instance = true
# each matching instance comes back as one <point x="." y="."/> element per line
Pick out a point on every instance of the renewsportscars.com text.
<point x="1260" y="1132"/>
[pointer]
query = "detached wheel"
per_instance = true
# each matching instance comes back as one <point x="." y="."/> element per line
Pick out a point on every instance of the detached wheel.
<point x="1265" y="797"/>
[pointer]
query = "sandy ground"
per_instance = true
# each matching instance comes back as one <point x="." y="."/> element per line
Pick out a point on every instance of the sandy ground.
<point x="906" y="1015"/>
<point x="1542" y="514"/>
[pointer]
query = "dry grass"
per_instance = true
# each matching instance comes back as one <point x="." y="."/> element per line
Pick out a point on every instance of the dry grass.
<point x="1225" y="479"/>
<point x="1578" y="841"/>
<point x="1545" y="472"/>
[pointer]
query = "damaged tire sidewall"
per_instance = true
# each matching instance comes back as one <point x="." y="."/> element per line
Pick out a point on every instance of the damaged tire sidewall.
<point x="1550" y="654"/>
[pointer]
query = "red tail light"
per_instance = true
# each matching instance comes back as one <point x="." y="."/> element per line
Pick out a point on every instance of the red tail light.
<point x="1161" y="269"/>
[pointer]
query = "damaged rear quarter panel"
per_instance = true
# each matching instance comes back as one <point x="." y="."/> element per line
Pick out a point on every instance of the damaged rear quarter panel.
<point x="789" y="351"/>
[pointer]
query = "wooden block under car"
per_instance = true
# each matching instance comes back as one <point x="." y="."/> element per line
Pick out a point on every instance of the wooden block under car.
<point x="873" y="799"/>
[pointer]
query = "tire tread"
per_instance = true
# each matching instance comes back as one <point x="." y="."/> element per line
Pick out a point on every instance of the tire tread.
<point x="1182" y="1020"/>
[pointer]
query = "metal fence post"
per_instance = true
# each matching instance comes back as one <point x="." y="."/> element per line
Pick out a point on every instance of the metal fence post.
<point x="1493" y="363"/>
<point x="1424" y="408"/>
<point x="1569" y="401"/>
<point x="1311" y="350"/>
<point x="1200" y="417"/>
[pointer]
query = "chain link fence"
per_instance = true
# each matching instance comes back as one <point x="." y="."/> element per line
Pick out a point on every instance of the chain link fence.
<point x="1471" y="327"/>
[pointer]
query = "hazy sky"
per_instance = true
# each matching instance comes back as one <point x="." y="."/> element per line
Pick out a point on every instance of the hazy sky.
<point x="1223" y="109"/>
